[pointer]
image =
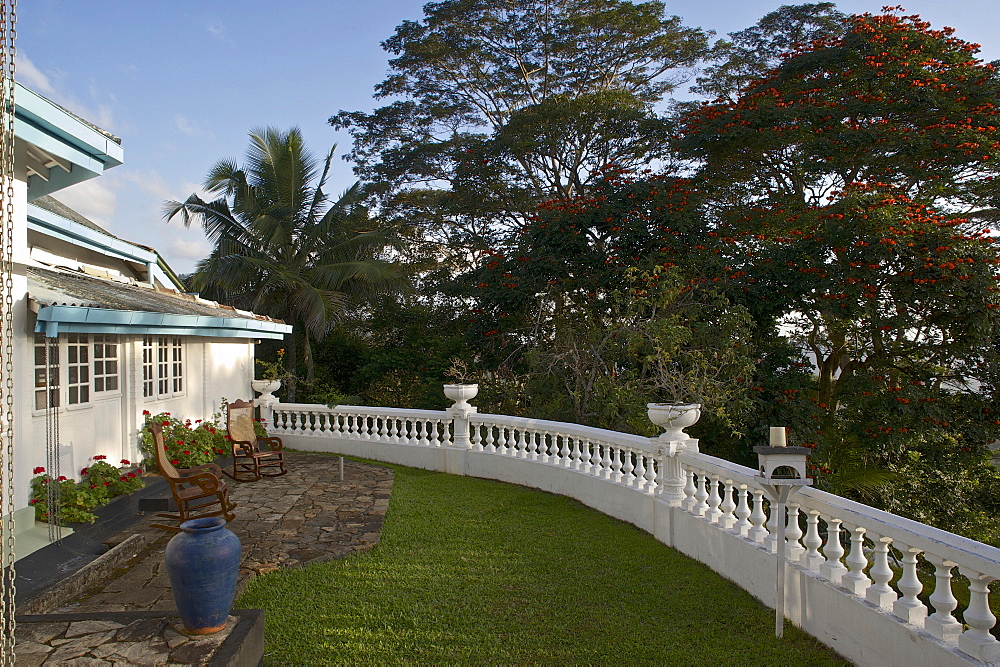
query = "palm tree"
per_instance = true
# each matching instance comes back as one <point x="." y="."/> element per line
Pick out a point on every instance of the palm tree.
<point x="281" y="248"/>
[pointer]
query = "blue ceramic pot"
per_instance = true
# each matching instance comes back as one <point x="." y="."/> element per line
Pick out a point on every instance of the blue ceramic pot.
<point x="203" y="562"/>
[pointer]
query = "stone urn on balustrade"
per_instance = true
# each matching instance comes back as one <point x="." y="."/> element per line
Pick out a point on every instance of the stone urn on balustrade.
<point x="266" y="389"/>
<point x="674" y="418"/>
<point x="461" y="394"/>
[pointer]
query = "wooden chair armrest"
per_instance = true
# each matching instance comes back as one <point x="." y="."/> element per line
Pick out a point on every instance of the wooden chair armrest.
<point x="274" y="442"/>
<point x="208" y="482"/>
<point x="212" y="468"/>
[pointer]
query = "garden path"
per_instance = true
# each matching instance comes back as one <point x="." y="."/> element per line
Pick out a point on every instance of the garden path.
<point x="306" y="516"/>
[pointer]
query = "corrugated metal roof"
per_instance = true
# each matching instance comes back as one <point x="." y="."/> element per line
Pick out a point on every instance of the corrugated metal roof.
<point x="53" y="205"/>
<point x="48" y="287"/>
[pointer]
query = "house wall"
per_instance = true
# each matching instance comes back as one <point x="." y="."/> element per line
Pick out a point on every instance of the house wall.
<point x="109" y="423"/>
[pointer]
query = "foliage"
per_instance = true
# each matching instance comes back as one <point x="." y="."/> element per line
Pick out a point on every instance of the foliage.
<point x="99" y="483"/>
<point x="187" y="446"/>
<point x="281" y="248"/>
<point x="498" y="106"/>
<point x="275" y="370"/>
<point x="459" y="558"/>
<point x="839" y="182"/>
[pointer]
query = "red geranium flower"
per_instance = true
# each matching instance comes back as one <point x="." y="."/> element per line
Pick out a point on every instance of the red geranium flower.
<point x="107" y="484"/>
<point x="186" y="453"/>
<point x="175" y="462"/>
<point x="100" y="457"/>
<point x="131" y="474"/>
<point x="33" y="501"/>
<point x="164" y="423"/>
<point x="39" y="470"/>
<point x="145" y="412"/>
<point x="62" y="478"/>
<point x="123" y="478"/>
<point x="93" y="486"/>
<point x="125" y="462"/>
<point x="85" y="471"/>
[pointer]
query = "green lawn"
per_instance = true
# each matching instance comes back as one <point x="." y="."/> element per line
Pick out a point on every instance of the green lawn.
<point x="475" y="571"/>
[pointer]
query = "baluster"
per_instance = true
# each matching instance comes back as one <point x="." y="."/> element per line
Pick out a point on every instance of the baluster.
<point x="543" y="447"/>
<point x="293" y="421"/>
<point x="651" y="472"/>
<point x="689" y="490"/>
<point x="394" y="425"/>
<point x="772" y="526"/>
<point x="793" y="533"/>
<point x="728" y="506"/>
<point x="421" y="434"/>
<point x="941" y="623"/>
<point x="908" y="607"/>
<point x="324" y="423"/>
<point x="639" y="474"/>
<point x="409" y="431"/>
<point x="383" y="432"/>
<point x="490" y="442"/>
<point x="616" y="466"/>
<point x="713" y="513"/>
<point x="351" y="426"/>
<point x="595" y="459"/>
<point x="627" y="467"/>
<point x="977" y="640"/>
<point x="477" y="437"/>
<point x="880" y="593"/>
<point x="564" y="460"/>
<point x="742" y="512"/>
<point x="575" y="454"/>
<point x="758" y="532"/>
<point x="832" y="568"/>
<point x="531" y="445"/>
<point x="701" y="494"/>
<point x="606" y="461"/>
<point x="855" y="580"/>
<point x="813" y="559"/>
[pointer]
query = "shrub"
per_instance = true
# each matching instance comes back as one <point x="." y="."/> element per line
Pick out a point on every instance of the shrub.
<point x="98" y="484"/>
<point x="188" y="444"/>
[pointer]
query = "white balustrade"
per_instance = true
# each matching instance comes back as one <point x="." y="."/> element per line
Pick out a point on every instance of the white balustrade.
<point x="723" y="495"/>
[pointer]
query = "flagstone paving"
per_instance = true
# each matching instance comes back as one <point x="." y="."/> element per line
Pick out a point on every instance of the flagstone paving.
<point x="306" y="516"/>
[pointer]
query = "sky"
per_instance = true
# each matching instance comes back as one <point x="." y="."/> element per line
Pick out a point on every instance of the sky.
<point x="183" y="83"/>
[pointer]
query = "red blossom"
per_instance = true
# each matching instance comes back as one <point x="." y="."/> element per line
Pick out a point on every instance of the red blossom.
<point x="100" y="457"/>
<point x="84" y="471"/>
<point x="186" y="453"/>
<point x="62" y="478"/>
<point x="175" y="462"/>
<point x="125" y="462"/>
<point x="39" y="470"/>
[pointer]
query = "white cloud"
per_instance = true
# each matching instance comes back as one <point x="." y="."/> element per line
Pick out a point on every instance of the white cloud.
<point x="189" y="248"/>
<point x="32" y="77"/>
<point x="191" y="128"/>
<point x="92" y="199"/>
<point x="218" y="30"/>
<point x="54" y="84"/>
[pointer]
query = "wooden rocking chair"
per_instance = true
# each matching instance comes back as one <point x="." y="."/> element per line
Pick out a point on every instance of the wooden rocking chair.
<point x="250" y="461"/>
<point x="199" y="492"/>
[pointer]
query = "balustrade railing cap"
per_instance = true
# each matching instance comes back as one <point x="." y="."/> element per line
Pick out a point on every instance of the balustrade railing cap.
<point x="767" y="449"/>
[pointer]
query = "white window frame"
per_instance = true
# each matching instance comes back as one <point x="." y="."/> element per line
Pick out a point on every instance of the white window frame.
<point x="163" y="367"/>
<point x="43" y="384"/>
<point x="77" y="378"/>
<point x="106" y="354"/>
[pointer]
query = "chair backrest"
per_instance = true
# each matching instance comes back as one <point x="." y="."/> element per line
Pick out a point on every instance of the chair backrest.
<point x="167" y="468"/>
<point x="239" y="422"/>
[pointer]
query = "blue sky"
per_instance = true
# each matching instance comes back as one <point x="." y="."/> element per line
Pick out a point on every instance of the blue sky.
<point x="183" y="82"/>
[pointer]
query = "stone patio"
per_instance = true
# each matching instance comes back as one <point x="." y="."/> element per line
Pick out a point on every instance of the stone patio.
<point x="307" y="516"/>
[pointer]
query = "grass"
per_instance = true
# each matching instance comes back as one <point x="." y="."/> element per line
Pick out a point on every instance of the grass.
<point x="476" y="571"/>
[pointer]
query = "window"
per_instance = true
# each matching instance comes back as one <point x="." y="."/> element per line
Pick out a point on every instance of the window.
<point x="78" y="368"/>
<point x="162" y="366"/>
<point x="46" y="387"/>
<point x="105" y="363"/>
<point x="148" y="375"/>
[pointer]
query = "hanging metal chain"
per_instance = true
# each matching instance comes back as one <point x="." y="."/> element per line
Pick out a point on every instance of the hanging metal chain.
<point x="8" y="34"/>
<point x="52" y="389"/>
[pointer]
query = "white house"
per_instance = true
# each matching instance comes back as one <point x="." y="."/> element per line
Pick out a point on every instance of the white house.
<point x="102" y="326"/>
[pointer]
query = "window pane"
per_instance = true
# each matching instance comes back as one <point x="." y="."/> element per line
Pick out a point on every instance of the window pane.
<point x="98" y="383"/>
<point x="74" y="377"/>
<point x="112" y="383"/>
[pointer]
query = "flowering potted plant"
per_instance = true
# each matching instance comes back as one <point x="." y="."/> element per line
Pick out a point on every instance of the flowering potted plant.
<point x="99" y="483"/>
<point x="271" y="375"/>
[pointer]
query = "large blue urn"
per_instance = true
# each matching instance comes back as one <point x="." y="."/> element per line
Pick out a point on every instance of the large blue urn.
<point x="203" y="562"/>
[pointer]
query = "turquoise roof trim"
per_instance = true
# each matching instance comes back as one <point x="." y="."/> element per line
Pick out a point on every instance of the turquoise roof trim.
<point x="53" y="320"/>
<point x="57" y="131"/>
<point x="50" y="224"/>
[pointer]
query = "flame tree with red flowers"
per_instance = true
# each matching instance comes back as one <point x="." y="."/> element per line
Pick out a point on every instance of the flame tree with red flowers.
<point x="854" y="180"/>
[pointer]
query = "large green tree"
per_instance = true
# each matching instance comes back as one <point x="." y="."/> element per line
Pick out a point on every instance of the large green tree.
<point x="850" y="182"/>
<point x="282" y="248"/>
<point x="501" y="105"/>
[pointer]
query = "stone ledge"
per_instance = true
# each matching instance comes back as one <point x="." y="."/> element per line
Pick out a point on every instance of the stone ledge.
<point x="144" y="637"/>
<point x="90" y="574"/>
